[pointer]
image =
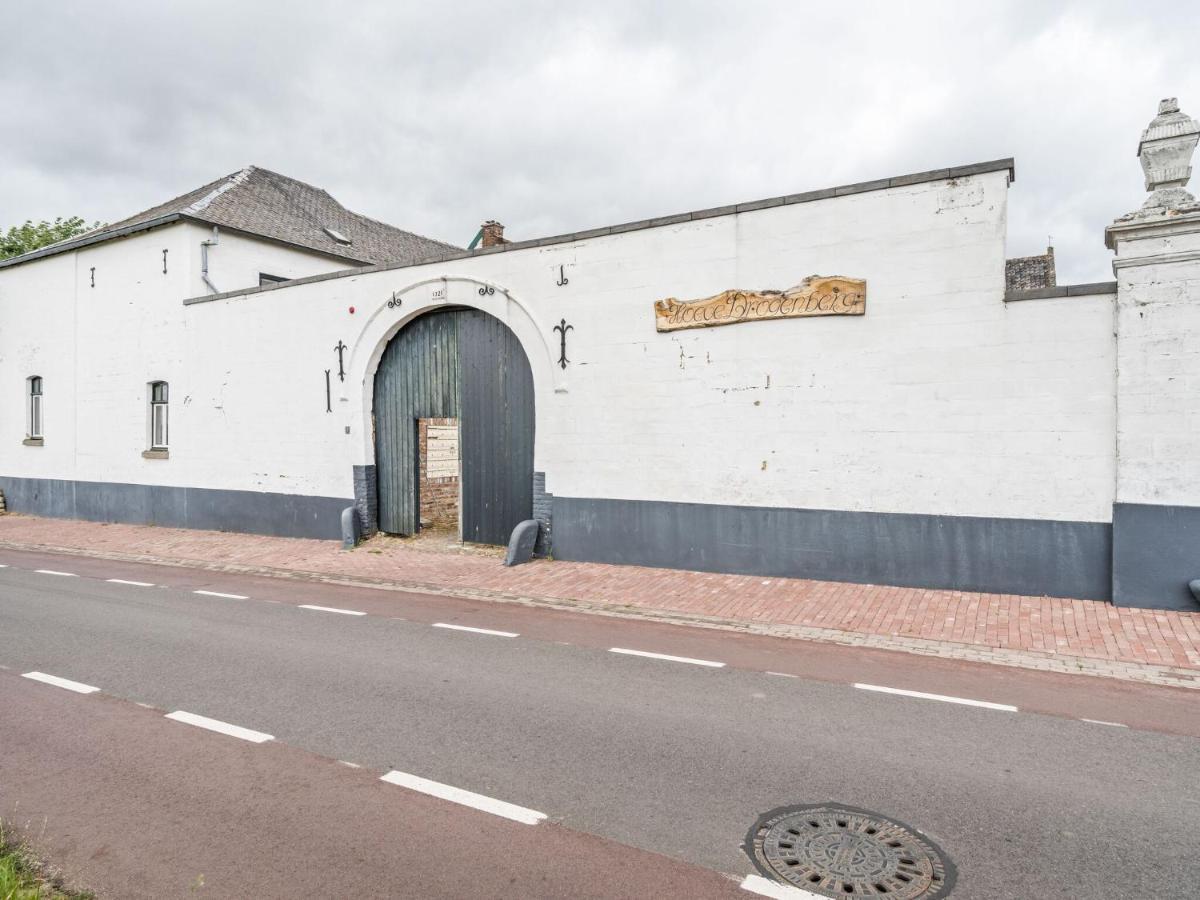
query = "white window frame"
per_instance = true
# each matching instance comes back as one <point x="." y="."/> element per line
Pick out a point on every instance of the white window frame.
<point x="159" y="419"/>
<point x="35" y="409"/>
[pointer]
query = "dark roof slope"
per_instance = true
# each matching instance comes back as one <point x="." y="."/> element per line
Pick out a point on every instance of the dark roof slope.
<point x="262" y="202"/>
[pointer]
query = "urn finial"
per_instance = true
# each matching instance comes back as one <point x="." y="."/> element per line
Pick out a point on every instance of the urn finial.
<point x="1165" y="153"/>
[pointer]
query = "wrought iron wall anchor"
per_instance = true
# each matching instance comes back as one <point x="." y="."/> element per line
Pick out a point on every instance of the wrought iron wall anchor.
<point x="328" y="393"/>
<point x="93" y="276"/>
<point x="164" y="262"/>
<point x="394" y="302"/>
<point x="562" y="278"/>
<point x="341" y="348"/>
<point x="486" y="290"/>
<point x="562" y="330"/>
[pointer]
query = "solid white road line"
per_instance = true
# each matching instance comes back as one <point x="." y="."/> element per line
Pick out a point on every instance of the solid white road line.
<point x="236" y="731"/>
<point x="1004" y="707"/>
<point x="475" y="630"/>
<point x="75" y="686"/>
<point x="345" y="612"/>
<point x="134" y="583"/>
<point x="466" y="798"/>
<point x="682" y="659"/>
<point x="219" y="594"/>
<point x="1102" y="722"/>
<point x="52" y="572"/>
<point x="764" y="887"/>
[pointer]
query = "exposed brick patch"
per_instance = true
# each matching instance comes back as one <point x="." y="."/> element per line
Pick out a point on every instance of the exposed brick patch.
<point x="366" y="499"/>
<point x="1081" y="636"/>
<point x="543" y="511"/>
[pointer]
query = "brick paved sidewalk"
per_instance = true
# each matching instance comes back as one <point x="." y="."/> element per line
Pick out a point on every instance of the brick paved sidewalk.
<point x="1036" y="632"/>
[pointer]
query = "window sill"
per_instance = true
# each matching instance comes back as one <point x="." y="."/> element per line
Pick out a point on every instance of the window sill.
<point x="33" y="442"/>
<point x="156" y="454"/>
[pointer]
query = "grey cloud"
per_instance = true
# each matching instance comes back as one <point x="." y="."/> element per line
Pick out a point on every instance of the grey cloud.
<point x="556" y="116"/>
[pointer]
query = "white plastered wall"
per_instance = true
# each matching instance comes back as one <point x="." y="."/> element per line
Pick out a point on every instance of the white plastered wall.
<point x="942" y="399"/>
<point x="97" y="349"/>
<point x="1158" y="439"/>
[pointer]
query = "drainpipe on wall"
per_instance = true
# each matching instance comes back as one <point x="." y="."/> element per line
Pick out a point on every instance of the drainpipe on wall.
<point x="204" y="245"/>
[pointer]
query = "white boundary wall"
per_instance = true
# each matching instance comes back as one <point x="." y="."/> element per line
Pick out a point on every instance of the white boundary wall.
<point x="943" y="399"/>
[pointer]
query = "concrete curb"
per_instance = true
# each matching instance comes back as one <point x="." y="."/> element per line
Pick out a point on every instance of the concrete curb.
<point x="1146" y="673"/>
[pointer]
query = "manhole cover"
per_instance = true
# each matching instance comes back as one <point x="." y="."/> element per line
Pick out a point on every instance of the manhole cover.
<point x="839" y="851"/>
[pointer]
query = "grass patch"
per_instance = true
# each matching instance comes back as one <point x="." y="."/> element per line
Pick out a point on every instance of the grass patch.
<point x="24" y="877"/>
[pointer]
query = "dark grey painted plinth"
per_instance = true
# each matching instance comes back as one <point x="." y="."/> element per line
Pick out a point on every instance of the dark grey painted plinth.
<point x="1156" y="552"/>
<point x="1015" y="556"/>
<point x="255" y="512"/>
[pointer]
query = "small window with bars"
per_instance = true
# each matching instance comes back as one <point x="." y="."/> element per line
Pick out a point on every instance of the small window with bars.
<point x="159" y="399"/>
<point x="34" y="384"/>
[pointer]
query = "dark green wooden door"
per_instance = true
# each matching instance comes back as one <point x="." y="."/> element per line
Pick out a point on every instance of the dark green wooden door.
<point x="464" y="364"/>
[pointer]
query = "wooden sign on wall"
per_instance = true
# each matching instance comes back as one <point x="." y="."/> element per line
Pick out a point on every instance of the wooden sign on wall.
<point x="817" y="295"/>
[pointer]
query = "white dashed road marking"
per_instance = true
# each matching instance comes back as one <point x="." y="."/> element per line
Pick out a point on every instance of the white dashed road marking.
<point x="236" y="731"/>
<point x="52" y="572"/>
<point x="679" y="659"/>
<point x="134" y="583"/>
<point x="344" y="612"/>
<point x="219" y="594"/>
<point x="1004" y="707"/>
<point x="75" y="686"/>
<point x="764" y="887"/>
<point x="783" y="674"/>
<point x="476" y="630"/>
<point x="465" y="798"/>
<point x="1102" y="722"/>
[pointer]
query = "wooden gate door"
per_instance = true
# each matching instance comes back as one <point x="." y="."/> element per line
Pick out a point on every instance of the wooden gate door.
<point x="464" y="364"/>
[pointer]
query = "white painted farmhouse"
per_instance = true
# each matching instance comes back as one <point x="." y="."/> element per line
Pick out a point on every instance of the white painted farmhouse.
<point x="838" y="384"/>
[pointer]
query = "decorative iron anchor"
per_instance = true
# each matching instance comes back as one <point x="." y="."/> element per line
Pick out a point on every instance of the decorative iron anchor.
<point x="562" y="330"/>
<point x="486" y="290"/>
<point x="164" y="262"/>
<point x="394" y="302"/>
<point x="562" y="278"/>
<point x="328" y="394"/>
<point x="340" y="348"/>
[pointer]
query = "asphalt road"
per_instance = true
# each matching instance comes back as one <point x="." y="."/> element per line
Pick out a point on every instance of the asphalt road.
<point x="670" y="757"/>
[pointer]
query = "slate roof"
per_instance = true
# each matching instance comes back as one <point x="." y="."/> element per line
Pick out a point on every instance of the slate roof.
<point x="261" y="202"/>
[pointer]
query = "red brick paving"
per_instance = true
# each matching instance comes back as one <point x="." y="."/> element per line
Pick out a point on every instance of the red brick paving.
<point x="1081" y="628"/>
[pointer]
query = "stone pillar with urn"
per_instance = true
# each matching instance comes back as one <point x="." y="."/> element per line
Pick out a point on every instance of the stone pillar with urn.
<point x="1156" y="513"/>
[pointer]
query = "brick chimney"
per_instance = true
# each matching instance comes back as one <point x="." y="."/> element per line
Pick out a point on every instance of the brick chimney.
<point x="1028" y="273"/>
<point x="493" y="234"/>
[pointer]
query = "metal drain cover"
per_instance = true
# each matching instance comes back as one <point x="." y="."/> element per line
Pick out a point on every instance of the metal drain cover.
<point x="839" y="851"/>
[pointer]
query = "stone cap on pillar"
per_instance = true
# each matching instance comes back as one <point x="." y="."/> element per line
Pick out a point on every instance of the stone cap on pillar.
<point x="1166" y="147"/>
<point x="1165" y="153"/>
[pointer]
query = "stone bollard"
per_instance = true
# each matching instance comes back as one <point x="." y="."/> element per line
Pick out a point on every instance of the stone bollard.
<point x="351" y="534"/>
<point x="520" y="545"/>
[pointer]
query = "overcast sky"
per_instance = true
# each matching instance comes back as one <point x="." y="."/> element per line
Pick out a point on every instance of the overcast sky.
<point x="554" y="117"/>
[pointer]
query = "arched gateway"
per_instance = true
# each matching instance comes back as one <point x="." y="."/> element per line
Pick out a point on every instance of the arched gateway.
<point x="456" y="377"/>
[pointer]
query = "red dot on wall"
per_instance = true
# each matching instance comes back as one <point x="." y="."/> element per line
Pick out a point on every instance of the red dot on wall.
<point x="352" y="310"/>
